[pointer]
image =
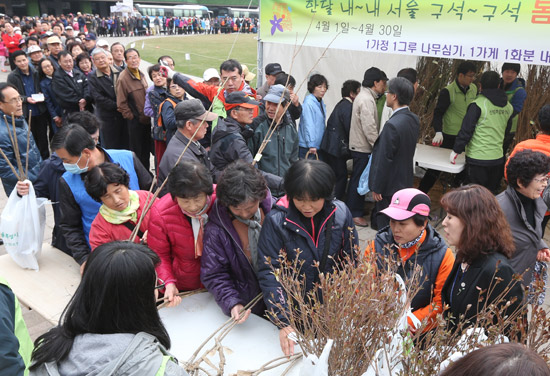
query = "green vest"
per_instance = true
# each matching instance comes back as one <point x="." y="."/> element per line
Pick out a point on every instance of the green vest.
<point x="380" y="103"/>
<point x="452" y="120"/>
<point x="25" y="343"/>
<point x="510" y="94"/>
<point x="218" y="108"/>
<point x="486" y="143"/>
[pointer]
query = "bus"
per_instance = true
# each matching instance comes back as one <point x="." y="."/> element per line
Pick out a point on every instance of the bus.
<point x="186" y="10"/>
<point x="236" y="12"/>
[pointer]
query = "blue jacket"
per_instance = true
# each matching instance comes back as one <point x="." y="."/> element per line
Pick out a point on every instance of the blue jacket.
<point x="284" y="231"/>
<point x="8" y="178"/>
<point x="53" y="107"/>
<point x="225" y="269"/>
<point x="312" y="122"/>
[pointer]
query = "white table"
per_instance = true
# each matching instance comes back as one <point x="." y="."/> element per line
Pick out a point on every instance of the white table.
<point x="251" y="344"/>
<point x="436" y="158"/>
<point x="48" y="290"/>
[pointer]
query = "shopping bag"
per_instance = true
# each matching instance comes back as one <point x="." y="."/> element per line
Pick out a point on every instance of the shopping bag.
<point x="22" y="227"/>
<point x="363" y="186"/>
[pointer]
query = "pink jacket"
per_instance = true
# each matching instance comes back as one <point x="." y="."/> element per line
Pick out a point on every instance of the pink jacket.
<point x="103" y="232"/>
<point x="171" y="237"/>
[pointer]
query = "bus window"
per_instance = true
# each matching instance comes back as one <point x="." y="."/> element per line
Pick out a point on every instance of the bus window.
<point x="198" y="13"/>
<point x="186" y="13"/>
<point x="178" y="12"/>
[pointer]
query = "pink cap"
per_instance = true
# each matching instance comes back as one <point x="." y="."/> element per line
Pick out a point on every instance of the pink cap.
<point x="406" y="203"/>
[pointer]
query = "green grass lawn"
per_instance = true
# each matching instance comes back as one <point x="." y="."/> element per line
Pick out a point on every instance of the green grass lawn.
<point x="205" y="51"/>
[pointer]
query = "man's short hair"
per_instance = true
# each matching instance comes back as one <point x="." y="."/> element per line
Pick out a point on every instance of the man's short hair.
<point x="282" y="79"/>
<point x="98" y="51"/>
<point x="4" y="86"/>
<point x="465" y="67"/>
<point x="18" y="53"/>
<point x="117" y="44"/>
<point x="409" y="73"/>
<point x="403" y="89"/>
<point x="489" y="80"/>
<point x="63" y="54"/>
<point x="230" y="65"/>
<point x="126" y="52"/>
<point x="544" y="118"/>
<point x="73" y="138"/>
<point x="85" y="119"/>
<point x="166" y="57"/>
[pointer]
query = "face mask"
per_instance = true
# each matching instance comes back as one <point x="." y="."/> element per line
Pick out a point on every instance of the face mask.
<point x="73" y="167"/>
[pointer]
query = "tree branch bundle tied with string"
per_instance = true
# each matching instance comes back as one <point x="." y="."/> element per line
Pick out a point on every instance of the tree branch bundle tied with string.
<point x="21" y="174"/>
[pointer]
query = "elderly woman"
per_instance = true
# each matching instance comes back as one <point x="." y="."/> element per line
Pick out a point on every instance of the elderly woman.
<point x="477" y="227"/>
<point x="527" y="176"/>
<point x="313" y="120"/>
<point x="411" y="241"/>
<point x="309" y="220"/>
<point x="176" y="228"/>
<point x="229" y="261"/>
<point x="121" y="207"/>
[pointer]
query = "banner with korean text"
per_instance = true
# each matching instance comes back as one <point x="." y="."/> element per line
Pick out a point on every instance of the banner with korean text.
<point x="491" y="30"/>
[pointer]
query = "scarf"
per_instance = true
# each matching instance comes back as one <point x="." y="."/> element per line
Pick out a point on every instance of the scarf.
<point x="412" y="242"/>
<point x="254" y="228"/>
<point x="198" y="221"/>
<point x="135" y="72"/>
<point x="128" y="214"/>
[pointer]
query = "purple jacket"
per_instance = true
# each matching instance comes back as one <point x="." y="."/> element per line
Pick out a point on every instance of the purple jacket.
<point x="225" y="269"/>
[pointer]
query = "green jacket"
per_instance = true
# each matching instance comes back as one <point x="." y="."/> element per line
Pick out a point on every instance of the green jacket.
<point x="452" y="120"/>
<point x="14" y="334"/>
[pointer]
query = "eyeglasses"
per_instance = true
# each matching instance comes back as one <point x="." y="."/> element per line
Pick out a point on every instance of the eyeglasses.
<point x="14" y="100"/>
<point x="541" y="180"/>
<point x="160" y="284"/>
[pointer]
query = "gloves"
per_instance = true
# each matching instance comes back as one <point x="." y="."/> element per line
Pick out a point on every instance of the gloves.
<point x="453" y="157"/>
<point x="438" y="139"/>
<point x="166" y="71"/>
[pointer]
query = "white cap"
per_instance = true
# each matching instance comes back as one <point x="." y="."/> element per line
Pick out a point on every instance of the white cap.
<point x="209" y="74"/>
<point x="102" y="43"/>
<point x="32" y="49"/>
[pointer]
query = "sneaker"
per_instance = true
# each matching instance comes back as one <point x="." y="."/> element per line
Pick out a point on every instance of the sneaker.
<point x="360" y="221"/>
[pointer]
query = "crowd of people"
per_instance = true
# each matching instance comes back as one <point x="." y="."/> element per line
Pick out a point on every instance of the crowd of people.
<point x="258" y="174"/>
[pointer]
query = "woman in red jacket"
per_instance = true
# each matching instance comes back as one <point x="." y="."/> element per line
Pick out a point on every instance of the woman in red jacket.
<point x="11" y="41"/>
<point x="122" y="208"/>
<point x="176" y="227"/>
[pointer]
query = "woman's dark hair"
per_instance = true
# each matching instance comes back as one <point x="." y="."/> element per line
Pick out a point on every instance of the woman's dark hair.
<point x="189" y="179"/>
<point x="350" y="86"/>
<point x="41" y="74"/>
<point x="240" y="182"/>
<point x="486" y="229"/>
<point x="316" y="80"/>
<point x="72" y="45"/>
<point x="116" y="295"/>
<point x="83" y="56"/>
<point x="544" y="119"/>
<point x="153" y="68"/>
<point x="282" y="79"/>
<point x="524" y="166"/>
<point x="73" y="138"/>
<point x="309" y="179"/>
<point x="505" y="359"/>
<point x="99" y="177"/>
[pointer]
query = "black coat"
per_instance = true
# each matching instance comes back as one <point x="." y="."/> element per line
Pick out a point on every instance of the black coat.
<point x="393" y="153"/>
<point x="69" y="90"/>
<point x="336" y="136"/>
<point x="16" y="80"/>
<point x="479" y="275"/>
<point x="102" y="89"/>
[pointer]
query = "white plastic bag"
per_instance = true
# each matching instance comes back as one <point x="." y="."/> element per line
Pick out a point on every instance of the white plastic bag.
<point x="22" y="226"/>
<point x="313" y="366"/>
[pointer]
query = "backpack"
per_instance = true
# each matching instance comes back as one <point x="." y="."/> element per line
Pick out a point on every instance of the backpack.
<point x="158" y="132"/>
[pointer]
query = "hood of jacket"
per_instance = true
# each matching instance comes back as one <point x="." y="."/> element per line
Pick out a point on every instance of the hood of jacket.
<point x="496" y="96"/>
<point x="227" y="126"/>
<point x="110" y="354"/>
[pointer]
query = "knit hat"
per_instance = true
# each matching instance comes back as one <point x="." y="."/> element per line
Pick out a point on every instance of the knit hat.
<point x="406" y="203"/>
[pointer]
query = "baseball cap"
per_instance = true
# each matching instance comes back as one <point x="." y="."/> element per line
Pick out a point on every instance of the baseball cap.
<point x="22" y="41"/>
<point x="248" y="76"/>
<point x="17" y="28"/>
<point x="239" y="99"/>
<point x="90" y="36"/>
<point x="69" y="27"/>
<point x="32" y="49"/>
<point x="406" y="203"/>
<point x="273" y="69"/>
<point x="276" y="92"/>
<point x="102" y="43"/>
<point x="209" y="74"/>
<point x="54" y="39"/>
<point x="193" y="109"/>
